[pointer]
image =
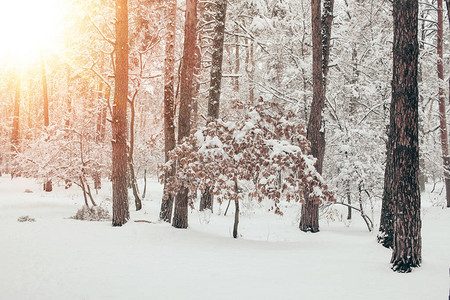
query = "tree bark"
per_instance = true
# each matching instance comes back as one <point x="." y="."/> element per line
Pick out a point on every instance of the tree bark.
<point x="180" y="218"/>
<point x="119" y="118"/>
<point x="442" y="110"/>
<point x="206" y="199"/>
<point x="169" y="103"/>
<point x="321" y="43"/>
<point x="404" y="132"/>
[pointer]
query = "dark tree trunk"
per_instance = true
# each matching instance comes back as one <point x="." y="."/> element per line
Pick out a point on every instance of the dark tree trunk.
<point x="169" y="103"/>
<point x="206" y="200"/>
<point x="180" y="218"/>
<point x="216" y="60"/>
<point x="309" y="220"/>
<point x="386" y="231"/>
<point x="215" y="81"/>
<point x="404" y="132"/>
<point x="236" y="218"/>
<point x="119" y="118"/>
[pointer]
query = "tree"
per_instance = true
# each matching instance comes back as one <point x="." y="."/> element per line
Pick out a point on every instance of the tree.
<point x="442" y="110"/>
<point x="48" y="182"/>
<point x="216" y="80"/>
<point x="267" y="152"/>
<point x="15" y="122"/>
<point x="180" y="218"/>
<point x="169" y="104"/>
<point x="119" y="118"/>
<point x="403" y="132"/>
<point x="321" y="34"/>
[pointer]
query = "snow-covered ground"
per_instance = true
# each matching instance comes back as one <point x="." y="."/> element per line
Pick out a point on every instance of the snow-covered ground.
<point x="61" y="258"/>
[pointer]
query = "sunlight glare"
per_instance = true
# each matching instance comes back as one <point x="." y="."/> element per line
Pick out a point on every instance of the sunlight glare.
<point x="29" y="27"/>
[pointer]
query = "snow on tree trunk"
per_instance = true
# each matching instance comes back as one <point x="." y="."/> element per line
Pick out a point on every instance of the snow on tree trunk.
<point x="216" y="80"/>
<point x="442" y="110"/>
<point x="119" y="118"/>
<point x="404" y="132"/>
<point x="180" y="218"/>
<point x="315" y="134"/>
<point x="169" y="103"/>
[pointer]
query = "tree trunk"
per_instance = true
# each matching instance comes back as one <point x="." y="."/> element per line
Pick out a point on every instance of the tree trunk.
<point x="133" y="181"/>
<point x="215" y="81"/>
<point x="169" y="103"/>
<point x="236" y="218"/>
<point x="405" y="136"/>
<point x="386" y="231"/>
<point x="310" y="211"/>
<point x="442" y="110"/>
<point x="48" y="187"/>
<point x="180" y="218"/>
<point x="119" y="118"/>
<point x="15" y="126"/>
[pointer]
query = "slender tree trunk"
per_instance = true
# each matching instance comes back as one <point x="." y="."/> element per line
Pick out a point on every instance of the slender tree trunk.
<point x="405" y="136"/>
<point x="216" y="60"/>
<point x="15" y="124"/>
<point x="133" y="181"/>
<point x="236" y="57"/>
<point x="206" y="199"/>
<point x="48" y="186"/>
<point x="386" y="231"/>
<point x="310" y="211"/>
<point x="180" y="218"/>
<point x="442" y="110"/>
<point x="165" y="213"/>
<point x="119" y="118"/>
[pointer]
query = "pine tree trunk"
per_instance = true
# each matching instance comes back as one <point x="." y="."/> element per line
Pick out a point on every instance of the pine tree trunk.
<point x="180" y="218"/>
<point x="169" y="102"/>
<point x="442" y="110"/>
<point x="405" y="136"/>
<point x="119" y="117"/>
<point x="386" y="231"/>
<point x="310" y="211"/>
<point x="206" y="199"/>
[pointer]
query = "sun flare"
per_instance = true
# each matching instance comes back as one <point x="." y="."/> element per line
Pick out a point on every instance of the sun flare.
<point x="28" y="28"/>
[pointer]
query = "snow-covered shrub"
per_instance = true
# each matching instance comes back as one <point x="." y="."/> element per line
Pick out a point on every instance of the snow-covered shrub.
<point x="93" y="213"/>
<point x="267" y="149"/>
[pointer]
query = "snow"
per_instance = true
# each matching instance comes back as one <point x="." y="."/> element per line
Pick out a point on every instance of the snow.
<point x="56" y="257"/>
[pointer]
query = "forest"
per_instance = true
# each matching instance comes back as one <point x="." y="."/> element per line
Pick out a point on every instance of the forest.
<point x="224" y="149"/>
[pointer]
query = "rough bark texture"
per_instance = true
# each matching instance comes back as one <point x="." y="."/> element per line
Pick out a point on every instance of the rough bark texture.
<point x="310" y="211"/>
<point x="119" y="118"/>
<point x="169" y="101"/>
<point x="386" y="231"/>
<point x="236" y="218"/>
<point x="216" y="79"/>
<point x="216" y="60"/>
<point x="442" y="110"/>
<point x="404" y="131"/>
<point x="180" y="218"/>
